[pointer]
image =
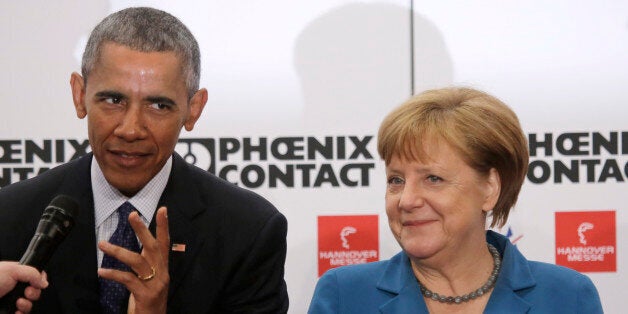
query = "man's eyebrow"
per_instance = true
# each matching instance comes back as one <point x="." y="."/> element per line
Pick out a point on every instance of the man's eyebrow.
<point x="161" y="100"/>
<point x="110" y="94"/>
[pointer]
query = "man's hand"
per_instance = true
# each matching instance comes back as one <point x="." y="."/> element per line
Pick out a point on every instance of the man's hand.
<point x="149" y="288"/>
<point x="11" y="273"/>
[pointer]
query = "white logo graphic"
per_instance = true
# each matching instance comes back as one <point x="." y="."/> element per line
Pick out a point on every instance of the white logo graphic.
<point x="344" y="233"/>
<point x="585" y="226"/>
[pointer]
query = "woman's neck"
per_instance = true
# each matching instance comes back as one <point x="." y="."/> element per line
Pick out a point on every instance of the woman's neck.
<point x="455" y="271"/>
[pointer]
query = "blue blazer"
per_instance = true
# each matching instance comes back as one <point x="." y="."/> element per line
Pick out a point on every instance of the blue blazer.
<point x="522" y="287"/>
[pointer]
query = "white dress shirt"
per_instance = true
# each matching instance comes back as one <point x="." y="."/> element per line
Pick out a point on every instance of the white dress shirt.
<point x="107" y="199"/>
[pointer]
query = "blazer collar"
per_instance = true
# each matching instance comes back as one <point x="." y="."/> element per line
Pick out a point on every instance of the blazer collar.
<point x="514" y="276"/>
<point x="181" y="190"/>
<point x="184" y="204"/>
<point x="399" y="280"/>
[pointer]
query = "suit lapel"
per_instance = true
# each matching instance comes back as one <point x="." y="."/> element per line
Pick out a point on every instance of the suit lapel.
<point x="183" y="206"/>
<point x="398" y="279"/>
<point x="515" y="276"/>
<point x="74" y="275"/>
<point x="408" y="300"/>
<point x="503" y="297"/>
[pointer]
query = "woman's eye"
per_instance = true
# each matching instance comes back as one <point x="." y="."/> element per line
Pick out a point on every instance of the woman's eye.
<point x="395" y="181"/>
<point x="434" y="179"/>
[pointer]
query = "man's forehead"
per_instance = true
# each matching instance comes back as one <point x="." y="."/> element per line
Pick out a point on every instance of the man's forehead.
<point x="119" y="57"/>
<point x="112" y="45"/>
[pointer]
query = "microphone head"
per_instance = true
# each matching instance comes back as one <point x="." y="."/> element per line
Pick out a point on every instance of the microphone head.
<point x="64" y="203"/>
<point x="54" y="225"/>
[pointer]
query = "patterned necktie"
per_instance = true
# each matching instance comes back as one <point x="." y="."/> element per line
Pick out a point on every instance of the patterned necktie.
<point x="113" y="295"/>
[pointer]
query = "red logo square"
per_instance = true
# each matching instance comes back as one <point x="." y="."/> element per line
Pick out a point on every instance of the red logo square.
<point x="347" y="240"/>
<point x="585" y="241"/>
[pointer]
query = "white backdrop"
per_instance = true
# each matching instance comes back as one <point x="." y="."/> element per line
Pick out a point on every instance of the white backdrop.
<point x="279" y="68"/>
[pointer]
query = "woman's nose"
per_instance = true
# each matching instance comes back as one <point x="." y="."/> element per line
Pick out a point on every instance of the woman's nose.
<point x="411" y="198"/>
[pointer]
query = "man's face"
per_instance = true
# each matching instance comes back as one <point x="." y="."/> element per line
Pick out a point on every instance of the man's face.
<point x="135" y="103"/>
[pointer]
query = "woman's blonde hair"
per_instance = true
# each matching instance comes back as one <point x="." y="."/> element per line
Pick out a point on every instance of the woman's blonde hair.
<point x="482" y="129"/>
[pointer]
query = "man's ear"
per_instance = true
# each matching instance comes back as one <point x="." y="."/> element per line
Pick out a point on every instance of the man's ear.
<point x="197" y="103"/>
<point x="77" y="84"/>
<point x="493" y="188"/>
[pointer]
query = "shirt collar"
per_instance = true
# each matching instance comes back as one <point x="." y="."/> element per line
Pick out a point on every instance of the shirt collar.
<point x="107" y="198"/>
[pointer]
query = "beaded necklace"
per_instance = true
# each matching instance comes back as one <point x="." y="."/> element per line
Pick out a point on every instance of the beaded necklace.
<point x="497" y="263"/>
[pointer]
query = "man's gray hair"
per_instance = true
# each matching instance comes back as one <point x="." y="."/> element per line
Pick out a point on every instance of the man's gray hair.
<point x="146" y="30"/>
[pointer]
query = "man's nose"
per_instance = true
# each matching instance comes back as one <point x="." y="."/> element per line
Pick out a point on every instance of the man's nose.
<point x="132" y="127"/>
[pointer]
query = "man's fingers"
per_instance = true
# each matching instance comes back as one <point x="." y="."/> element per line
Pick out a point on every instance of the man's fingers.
<point x="153" y="260"/>
<point x="142" y="232"/>
<point x="130" y="281"/>
<point x="163" y="234"/>
<point x="129" y="258"/>
<point x="151" y="248"/>
<point x="131" y="307"/>
<point x="126" y="278"/>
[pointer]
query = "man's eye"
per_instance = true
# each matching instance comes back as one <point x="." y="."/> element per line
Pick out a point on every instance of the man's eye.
<point x="160" y="106"/>
<point x="113" y="100"/>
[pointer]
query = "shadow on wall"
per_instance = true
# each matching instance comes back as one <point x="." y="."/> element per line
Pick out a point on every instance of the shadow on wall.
<point x="354" y="64"/>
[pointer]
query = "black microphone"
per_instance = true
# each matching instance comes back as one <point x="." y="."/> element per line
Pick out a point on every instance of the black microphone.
<point x="54" y="225"/>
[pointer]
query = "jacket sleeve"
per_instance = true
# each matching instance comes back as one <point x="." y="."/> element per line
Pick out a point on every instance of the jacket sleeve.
<point x="258" y="286"/>
<point x="326" y="295"/>
<point x="588" y="297"/>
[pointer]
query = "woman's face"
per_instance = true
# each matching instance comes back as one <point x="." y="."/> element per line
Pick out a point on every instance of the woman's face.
<point x="438" y="204"/>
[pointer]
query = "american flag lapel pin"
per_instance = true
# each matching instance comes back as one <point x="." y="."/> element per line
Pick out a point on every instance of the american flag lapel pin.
<point x="178" y="247"/>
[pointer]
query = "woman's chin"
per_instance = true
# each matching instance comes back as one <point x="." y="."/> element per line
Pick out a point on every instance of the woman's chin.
<point x="420" y="248"/>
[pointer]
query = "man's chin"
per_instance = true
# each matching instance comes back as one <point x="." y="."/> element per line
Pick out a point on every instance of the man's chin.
<point x="126" y="185"/>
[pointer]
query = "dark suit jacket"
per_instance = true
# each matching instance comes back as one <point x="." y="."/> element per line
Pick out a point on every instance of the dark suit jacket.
<point x="235" y="242"/>
<point x="522" y="286"/>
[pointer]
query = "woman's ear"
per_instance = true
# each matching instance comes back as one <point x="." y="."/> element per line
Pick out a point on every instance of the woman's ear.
<point x="493" y="189"/>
